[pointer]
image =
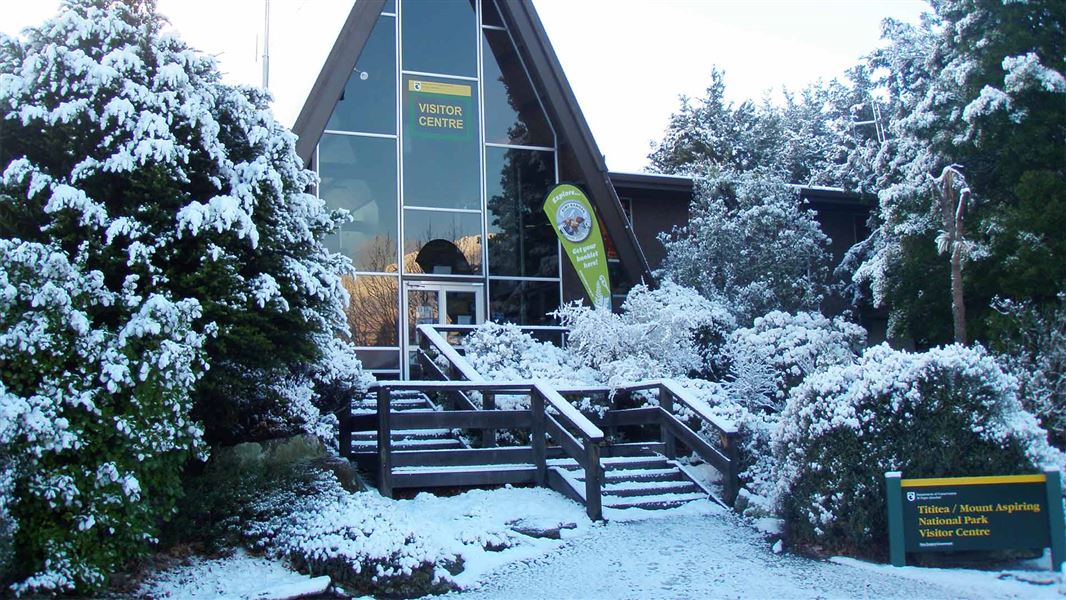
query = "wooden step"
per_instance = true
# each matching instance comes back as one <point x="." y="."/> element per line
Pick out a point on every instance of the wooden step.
<point x="650" y="488"/>
<point x="411" y="444"/>
<point x="651" y="502"/>
<point x="664" y="474"/>
<point x="616" y="463"/>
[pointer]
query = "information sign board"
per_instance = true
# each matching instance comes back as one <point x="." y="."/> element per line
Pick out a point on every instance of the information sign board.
<point x="951" y="514"/>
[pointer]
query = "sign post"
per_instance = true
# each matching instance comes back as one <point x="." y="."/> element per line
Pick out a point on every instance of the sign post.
<point x="950" y="514"/>
<point x="574" y="220"/>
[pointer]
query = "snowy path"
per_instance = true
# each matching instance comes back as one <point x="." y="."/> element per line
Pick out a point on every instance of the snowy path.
<point x="654" y="559"/>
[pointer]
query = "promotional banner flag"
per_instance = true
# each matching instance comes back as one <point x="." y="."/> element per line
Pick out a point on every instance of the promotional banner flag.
<point x="571" y="214"/>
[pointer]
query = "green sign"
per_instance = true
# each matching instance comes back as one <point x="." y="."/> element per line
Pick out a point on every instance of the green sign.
<point x="439" y="111"/>
<point x="951" y="514"/>
<point x="571" y="214"/>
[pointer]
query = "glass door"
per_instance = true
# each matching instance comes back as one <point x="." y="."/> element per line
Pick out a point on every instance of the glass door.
<point x="431" y="303"/>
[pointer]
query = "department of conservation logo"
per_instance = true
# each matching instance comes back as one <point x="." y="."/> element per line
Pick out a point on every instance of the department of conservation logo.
<point x="911" y="496"/>
<point x="574" y="221"/>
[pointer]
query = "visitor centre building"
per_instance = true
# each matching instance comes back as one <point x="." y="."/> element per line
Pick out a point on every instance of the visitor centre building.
<point x="441" y="126"/>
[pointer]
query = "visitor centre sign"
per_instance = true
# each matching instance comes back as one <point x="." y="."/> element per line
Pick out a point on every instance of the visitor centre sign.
<point x="954" y="514"/>
<point x="438" y="110"/>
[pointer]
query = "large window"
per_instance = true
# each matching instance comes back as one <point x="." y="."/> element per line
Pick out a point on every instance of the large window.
<point x="441" y="167"/>
<point x="512" y="113"/>
<point x="374" y="309"/>
<point x="439" y="37"/>
<point x="441" y="151"/>
<point x="442" y="242"/>
<point x="369" y="100"/>
<point x="525" y="302"/>
<point x="358" y="174"/>
<point x="521" y="240"/>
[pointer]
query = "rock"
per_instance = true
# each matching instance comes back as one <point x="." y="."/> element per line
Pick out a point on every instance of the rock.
<point x="343" y="470"/>
<point x="742" y="501"/>
<point x="779" y="547"/>
<point x="539" y="530"/>
<point x="274" y="453"/>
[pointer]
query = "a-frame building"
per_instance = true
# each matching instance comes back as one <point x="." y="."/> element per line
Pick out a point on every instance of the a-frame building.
<point x="441" y="125"/>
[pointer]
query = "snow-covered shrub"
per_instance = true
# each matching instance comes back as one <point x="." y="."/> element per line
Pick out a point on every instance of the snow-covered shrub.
<point x="278" y="498"/>
<point x="1033" y="349"/>
<point x="123" y="148"/>
<point x="750" y="243"/>
<point x="95" y="420"/>
<point x="662" y="333"/>
<point x="360" y="540"/>
<point x="950" y="411"/>
<point x="768" y="359"/>
<point x="502" y="352"/>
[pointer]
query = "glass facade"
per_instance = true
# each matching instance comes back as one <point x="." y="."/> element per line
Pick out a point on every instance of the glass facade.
<point x="440" y="150"/>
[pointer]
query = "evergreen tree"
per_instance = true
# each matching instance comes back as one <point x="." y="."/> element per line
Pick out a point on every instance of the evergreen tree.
<point x="121" y="145"/>
<point x="750" y="244"/>
<point x="157" y="248"/>
<point x="978" y="85"/>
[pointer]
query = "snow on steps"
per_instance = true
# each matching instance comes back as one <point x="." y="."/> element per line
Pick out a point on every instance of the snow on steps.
<point x="648" y="482"/>
<point x="366" y="442"/>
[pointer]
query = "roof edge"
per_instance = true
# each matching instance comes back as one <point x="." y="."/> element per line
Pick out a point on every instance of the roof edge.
<point x="334" y="75"/>
<point x="536" y="51"/>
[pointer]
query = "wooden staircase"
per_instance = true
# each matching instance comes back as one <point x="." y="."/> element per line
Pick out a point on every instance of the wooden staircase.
<point x="443" y="433"/>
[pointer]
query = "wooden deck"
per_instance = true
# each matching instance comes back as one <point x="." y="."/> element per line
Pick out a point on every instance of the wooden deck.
<point x="449" y="432"/>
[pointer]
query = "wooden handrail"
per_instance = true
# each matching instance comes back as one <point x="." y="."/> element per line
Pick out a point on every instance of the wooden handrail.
<point x="570" y="415"/>
<point x="431" y="336"/>
<point x="518" y="387"/>
<point x="586" y="450"/>
<point x="701" y="408"/>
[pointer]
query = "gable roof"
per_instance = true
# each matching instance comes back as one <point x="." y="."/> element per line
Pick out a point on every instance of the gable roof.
<point x="334" y="76"/>
<point x="574" y="136"/>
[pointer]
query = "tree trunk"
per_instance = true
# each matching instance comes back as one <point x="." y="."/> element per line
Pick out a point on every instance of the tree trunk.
<point x="958" y="308"/>
<point x="953" y="213"/>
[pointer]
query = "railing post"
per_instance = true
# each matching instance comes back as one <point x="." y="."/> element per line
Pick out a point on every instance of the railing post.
<point x="384" y="442"/>
<point x="731" y="484"/>
<point x="344" y="442"/>
<point x="488" y="436"/>
<point x="666" y="402"/>
<point x="593" y="481"/>
<point x="537" y="441"/>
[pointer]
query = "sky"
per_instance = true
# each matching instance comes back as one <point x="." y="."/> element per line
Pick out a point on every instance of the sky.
<point x="628" y="61"/>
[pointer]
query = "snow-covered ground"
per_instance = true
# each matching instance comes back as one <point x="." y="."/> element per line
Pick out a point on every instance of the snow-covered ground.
<point x="237" y="577"/>
<point x="697" y="551"/>
<point x="720" y="556"/>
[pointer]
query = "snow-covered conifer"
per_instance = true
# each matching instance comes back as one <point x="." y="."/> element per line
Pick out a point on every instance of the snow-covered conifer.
<point x="750" y="243"/>
<point x="154" y="222"/>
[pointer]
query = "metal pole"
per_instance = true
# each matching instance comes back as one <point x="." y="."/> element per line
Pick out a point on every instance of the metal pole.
<point x="266" y="46"/>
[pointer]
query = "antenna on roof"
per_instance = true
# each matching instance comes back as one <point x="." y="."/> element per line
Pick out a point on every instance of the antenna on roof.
<point x="266" y="46"/>
<point x="879" y="126"/>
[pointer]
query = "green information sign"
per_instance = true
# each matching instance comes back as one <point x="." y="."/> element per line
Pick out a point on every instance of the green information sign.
<point x="439" y="111"/>
<point x="952" y="514"/>
<point x="571" y="214"/>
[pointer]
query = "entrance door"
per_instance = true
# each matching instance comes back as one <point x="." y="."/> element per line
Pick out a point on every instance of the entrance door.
<point x="440" y="304"/>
